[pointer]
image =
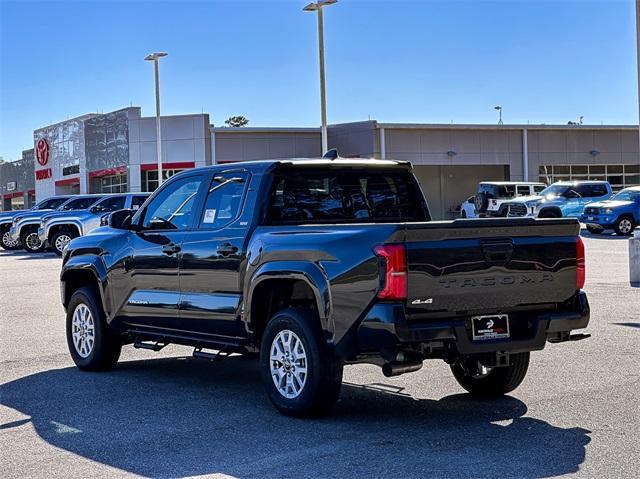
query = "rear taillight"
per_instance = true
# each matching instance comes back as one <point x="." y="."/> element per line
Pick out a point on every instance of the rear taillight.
<point x="395" y="276"/>
<point x="581" y="270"/>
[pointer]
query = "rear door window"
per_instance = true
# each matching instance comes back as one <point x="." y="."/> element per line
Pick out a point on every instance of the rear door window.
<point x="591" y="191"/>
<point x="345" y="195"/>
<point x="110" y="204"/>
<point x="523" y="190"/>
<point x="224" y="200"/>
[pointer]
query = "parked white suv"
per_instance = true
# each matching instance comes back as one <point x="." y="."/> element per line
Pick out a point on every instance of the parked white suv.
<point x="492" y="194"/>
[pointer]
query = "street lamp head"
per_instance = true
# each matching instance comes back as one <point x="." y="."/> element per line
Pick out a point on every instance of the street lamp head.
<point x="497" y="107"/>
<point x="314" y="6"/>
<point x="155" y="56"/>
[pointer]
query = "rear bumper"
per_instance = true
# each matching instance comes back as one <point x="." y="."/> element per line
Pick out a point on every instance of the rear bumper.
<point x="386" y="328"/>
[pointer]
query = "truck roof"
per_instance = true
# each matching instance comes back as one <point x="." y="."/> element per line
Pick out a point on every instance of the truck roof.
<point x="265" y="164"/>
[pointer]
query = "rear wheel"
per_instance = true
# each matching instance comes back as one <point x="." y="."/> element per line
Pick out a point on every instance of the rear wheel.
<point x="301" y="375"/>
<point x="60" y="240"/>
<point x="491" y="382"/>
<point x="31" y="241"/>
<point x="624" y="226"/>
<point x="92" y="343"/>
<point x="7" y="242"/>
<point x="594" y="230"/>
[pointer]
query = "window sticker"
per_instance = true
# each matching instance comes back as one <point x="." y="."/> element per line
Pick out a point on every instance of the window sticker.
<point x="209" y="216"/>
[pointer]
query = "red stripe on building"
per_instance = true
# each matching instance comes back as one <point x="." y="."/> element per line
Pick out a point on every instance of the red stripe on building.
<point x="31" y="192"/>
<point x="168" y="166"/>
<point x="68" y="181"/>
<point x="108" y="171"/>
<point x="15" y="194"/>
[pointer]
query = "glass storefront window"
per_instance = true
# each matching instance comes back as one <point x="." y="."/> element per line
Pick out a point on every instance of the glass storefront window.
<point x="620" y="176"/>
<point x="110" y="184"/>
<point x="150" y="178"/>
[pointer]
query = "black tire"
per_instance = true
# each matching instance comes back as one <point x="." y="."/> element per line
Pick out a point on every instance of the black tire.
<point x="481" y="202"/>
<point x="498" y="381"/>
<point x="594" y="230"/>
<point x="6" y="243"/>
<point x="60" y="234"/>
<point x="624" y="226"/>
<point x="323" y="380"/>
<point x="31" y="243"/>
<point x="549" y="214"/>
<point x="105" y="352"/>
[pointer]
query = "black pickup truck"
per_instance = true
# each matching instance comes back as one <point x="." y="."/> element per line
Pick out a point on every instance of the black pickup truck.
<point x="315" y="264"/>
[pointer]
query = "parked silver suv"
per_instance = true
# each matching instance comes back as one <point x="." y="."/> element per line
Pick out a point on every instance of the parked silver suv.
<point x="59" y="228"/>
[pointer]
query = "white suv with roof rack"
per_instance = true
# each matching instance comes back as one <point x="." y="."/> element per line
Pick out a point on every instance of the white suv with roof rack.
<point x="493" y="194"/>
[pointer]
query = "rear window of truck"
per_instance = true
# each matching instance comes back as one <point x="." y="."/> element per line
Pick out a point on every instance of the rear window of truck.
<point x="348" y="195"/>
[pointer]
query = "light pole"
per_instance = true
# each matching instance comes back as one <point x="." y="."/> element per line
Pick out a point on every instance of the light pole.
<point x="499" y="108"/>
<point x="155" y="58"/>
<point x="638" y="66"/>
<point x="317" y="7"/>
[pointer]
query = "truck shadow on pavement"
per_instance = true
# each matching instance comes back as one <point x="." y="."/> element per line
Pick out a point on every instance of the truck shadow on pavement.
<point x="180" y="417"/>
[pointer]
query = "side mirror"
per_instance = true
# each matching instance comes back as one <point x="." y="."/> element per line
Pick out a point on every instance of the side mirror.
<point x="121" y="219"/>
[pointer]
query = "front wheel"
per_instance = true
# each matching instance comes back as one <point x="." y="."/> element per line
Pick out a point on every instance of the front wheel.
<point x="92" y="343"/>
<point x="491" y="382"/>
<point x="301" y="375"/>
<point x="7" y="242"/>
<point x="624" y="226"/>
<point x="31" y="241"/>
<point x="60" y="240"/>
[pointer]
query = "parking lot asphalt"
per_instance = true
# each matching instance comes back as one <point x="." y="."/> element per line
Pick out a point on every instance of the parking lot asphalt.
<point x="168" y="415"/>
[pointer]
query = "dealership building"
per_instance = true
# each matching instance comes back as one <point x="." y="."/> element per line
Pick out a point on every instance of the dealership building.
<point x="116" y="152"/>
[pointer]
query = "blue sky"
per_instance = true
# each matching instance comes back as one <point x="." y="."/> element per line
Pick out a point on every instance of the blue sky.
<point x="394" y="61"/>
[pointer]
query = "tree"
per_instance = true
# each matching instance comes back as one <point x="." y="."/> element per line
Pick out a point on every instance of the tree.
<point x="236" y="121"/>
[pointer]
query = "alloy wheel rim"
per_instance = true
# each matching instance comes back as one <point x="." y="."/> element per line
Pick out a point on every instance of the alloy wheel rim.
<point x="625" y="226"/>
<point x="288" y="363"/>
<point x="8" y="241"/>
<point x="83" y="330"/>
<point x="32" y="241"/>
<point x="61" y="242"/>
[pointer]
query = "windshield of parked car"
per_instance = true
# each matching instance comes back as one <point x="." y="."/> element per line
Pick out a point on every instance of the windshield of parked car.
<point x="345" y="195"/>
<point x="50" y="204"/>
<point x="626" y="195"/>
<point x="80" y="203"/>
<point x="554" y="190"/>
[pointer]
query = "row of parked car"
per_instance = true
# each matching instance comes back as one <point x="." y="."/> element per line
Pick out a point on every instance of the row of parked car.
<point x="54" y="222"/>
<point x="591" y="202"/>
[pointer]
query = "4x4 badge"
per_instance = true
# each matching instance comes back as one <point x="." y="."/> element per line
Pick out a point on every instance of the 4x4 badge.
<point x="422" y="301"/>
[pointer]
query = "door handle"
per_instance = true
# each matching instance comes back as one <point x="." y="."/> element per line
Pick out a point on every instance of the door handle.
<point x="226" y="249"/>
<point x="170" y="249"/>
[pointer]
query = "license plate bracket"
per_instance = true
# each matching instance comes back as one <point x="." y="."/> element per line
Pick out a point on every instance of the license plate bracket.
<point x="490" y="326"/>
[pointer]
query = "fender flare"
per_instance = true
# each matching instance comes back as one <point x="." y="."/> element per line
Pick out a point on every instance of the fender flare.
<point x="305" y="271"/>
<point x="68" y="222"/>
<point x="555" y="209"/>
<point x="96" y="267"/>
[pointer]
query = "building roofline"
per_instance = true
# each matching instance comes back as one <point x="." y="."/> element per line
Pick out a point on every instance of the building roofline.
<point x="471" y="126"/>
<point x="262" y="129"/>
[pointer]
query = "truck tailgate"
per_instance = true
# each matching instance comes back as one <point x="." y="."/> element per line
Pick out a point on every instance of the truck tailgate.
<point x="483" y="266"/>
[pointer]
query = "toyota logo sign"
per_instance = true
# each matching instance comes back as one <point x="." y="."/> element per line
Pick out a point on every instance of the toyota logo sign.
<point x="42" y="151"/>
